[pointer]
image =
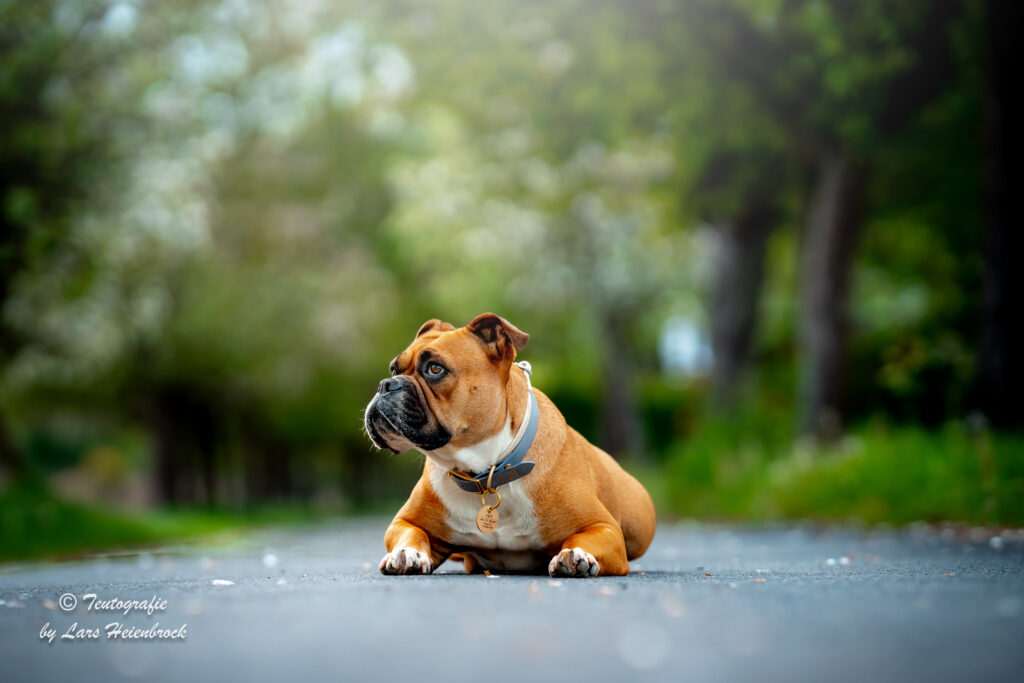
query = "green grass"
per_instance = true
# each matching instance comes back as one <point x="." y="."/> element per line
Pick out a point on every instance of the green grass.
<point x="34" y="523"/>
<point x="878" y="474"/>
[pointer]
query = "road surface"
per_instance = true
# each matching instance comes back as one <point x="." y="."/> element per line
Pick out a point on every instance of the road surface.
<point x="705" y="604"/>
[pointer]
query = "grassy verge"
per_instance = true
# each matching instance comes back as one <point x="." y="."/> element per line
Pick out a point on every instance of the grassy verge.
<point x="34" y="523"/>
<point x="878" y="474"/>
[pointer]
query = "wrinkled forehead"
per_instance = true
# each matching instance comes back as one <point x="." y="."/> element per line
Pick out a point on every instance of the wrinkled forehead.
<point x="442" y="346"/>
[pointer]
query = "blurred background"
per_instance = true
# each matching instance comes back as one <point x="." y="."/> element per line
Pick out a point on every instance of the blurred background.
<point x="762" y="248"/>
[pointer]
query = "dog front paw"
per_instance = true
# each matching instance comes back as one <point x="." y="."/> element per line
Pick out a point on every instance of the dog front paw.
<point x="405" y="561"/>
<point x="576" y="563"/>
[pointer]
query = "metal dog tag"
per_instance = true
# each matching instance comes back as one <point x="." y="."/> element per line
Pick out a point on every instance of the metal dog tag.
<point x="487" y="519"/>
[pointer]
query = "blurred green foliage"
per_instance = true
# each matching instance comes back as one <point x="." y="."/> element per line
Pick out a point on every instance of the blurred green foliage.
<point x="35" y="523"/>
<point x="222" y="220"/>
<point x="878" y="474"/>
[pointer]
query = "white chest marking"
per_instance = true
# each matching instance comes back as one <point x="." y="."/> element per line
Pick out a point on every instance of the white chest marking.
<point x="476" y="458"/>
<point x="517" y="525"/>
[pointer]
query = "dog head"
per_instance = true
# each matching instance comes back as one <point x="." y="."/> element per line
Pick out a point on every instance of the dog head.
<point x="446" y="388"/>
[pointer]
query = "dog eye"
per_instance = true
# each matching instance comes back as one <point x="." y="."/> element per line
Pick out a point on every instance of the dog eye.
<point x="435" y="370"/>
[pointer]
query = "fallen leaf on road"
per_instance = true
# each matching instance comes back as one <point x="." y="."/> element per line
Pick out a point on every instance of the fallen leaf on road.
<point x="950" y="574"/>
<point x="708" y="574"/>
<point x="760" y="580"/>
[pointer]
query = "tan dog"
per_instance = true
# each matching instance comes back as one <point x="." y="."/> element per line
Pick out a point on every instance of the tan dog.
<point x="457" y="396"/>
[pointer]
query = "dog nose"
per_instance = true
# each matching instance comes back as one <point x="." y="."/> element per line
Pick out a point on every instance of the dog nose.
<point x="388" y="385"/>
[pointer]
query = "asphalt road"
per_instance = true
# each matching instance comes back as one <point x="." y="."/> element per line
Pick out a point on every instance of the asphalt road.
<point x="705" y="604"/>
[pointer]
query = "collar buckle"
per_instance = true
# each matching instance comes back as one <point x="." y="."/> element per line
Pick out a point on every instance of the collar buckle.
<point x="461" y="479"/>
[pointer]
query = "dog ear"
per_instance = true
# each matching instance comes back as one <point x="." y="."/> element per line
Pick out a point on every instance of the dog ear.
<point x="434" y="324"/>
<point x="501" y="337"/>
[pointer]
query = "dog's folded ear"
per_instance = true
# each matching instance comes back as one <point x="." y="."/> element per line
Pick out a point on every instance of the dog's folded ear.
<point x="434" y="324"/>
<point x="501" y="337"/>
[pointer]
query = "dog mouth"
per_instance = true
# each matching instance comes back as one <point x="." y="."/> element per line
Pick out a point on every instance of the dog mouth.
<point x="397" y="425"/>
<point x="378" y="427"/>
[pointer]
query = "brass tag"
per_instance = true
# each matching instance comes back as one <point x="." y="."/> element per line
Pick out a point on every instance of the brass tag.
<point x="487" y="519"/>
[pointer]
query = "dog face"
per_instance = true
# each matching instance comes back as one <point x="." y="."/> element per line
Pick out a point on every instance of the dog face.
<point x="448" y="388"/>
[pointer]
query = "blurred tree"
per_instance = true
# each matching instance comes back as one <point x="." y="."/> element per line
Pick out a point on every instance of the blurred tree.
<point x="263" y="350"/>
<point x="561" y="192"/>
<point x="59" y="115"/>
<point x="222" y="270"/>
<point x="738" y="278"/>
<point x="1001" y="367"/>
<point x="837" y="78"/>
<point x="734" y="176"/>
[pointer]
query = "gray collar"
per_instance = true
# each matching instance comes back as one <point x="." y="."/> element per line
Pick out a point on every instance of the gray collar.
<point x="511" y="466"/>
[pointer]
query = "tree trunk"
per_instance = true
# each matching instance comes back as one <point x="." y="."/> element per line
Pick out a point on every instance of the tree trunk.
<point x="739" y="273"/>
<point x="184" y="434"/>
<point x="621" y="428"/>
<point x="829" y="244"/>
<point x="11" y="458"/>
<point x="167" y="464"/>
<point x="268" y="475"/>
<point x="1001" y="361"/>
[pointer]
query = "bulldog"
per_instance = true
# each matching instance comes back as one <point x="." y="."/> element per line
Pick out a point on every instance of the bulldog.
<point x="507" y="485"/>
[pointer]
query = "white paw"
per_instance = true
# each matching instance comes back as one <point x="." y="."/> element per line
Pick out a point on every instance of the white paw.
<point x="405" y="561"/>
<point x="576" y="563"/>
